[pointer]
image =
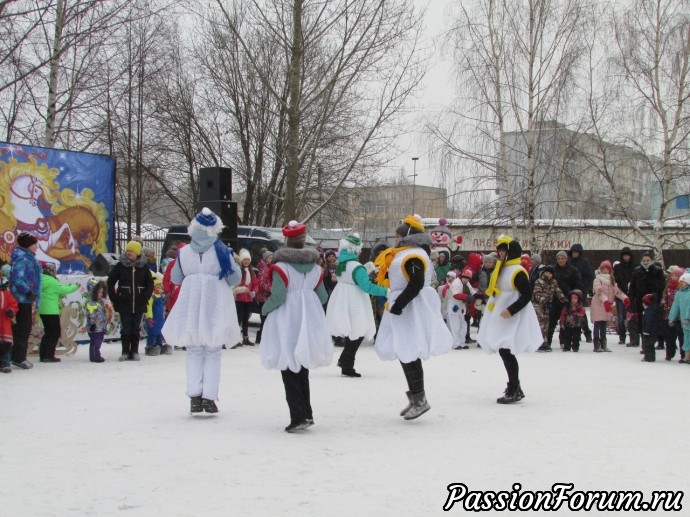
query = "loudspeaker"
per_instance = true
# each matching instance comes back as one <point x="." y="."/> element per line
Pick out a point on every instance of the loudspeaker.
<point x="102" y="263"/>
<point x="215" y="183"/>
<point x="227" y="211"/>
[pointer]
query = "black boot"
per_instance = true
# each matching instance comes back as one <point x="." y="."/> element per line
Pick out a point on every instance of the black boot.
<point x="512" y="394"/>
<point x="209" y="406"/>
<point x="195" y="405"/>
<point x="350" y="372"/>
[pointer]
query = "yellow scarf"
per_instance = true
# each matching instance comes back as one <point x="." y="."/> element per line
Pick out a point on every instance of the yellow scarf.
<point x="383" y="261"/>
<point x="493" y="290"/>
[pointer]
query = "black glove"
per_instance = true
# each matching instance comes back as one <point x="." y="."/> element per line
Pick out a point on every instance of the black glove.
<point x="31" y="296"/>
<point x="92" y="328"/>
<point x="396" y="309"/>
<point x="10" y="313"/>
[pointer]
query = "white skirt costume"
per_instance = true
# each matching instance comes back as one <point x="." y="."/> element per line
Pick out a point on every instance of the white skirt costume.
<point x="295" y="334"/>
<point x="349" y="312"/>
<point x="455" y="312"/>
<point x="204" y="313"/>
<point x="519" y="333"/>
<point x="419" y="332"/>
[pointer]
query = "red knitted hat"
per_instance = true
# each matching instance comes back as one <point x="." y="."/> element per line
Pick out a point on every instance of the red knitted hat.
<point x="294" y="229"/>
<point x="466" y="273"/>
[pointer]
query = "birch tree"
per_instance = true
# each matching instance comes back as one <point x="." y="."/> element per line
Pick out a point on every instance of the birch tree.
<point x="516" y="63"/>
<point x="650" y="65"/>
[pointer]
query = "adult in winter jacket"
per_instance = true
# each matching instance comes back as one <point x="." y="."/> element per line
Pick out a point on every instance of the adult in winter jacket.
<point x="203" y="318"/>
<point x="49" y="310"/>
<point x="25" y="285"/>
<point x="411" y="327"/>
<point x="296" y="337"/>
<point x="545" y="291"/>
<point x="578" y="260"/>
<point x="510" y="324"/>
<point x="349" y="313"/>
<point x="569" y="280"/>
<point x="536" y="269"/>
<point x="130" y="286"/>
<point x="648" y="278"/>
<point x="605" y="293"/>
<point x="623" y="273"/>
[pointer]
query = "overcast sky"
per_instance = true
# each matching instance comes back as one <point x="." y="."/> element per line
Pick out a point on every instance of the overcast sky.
<point x="437" y="93"/>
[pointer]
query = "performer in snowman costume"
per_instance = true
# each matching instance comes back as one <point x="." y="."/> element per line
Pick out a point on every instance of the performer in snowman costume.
<point x="295" y="336"/>
<point x="509" y="325"/>
<point x="203" y="317"/>
<point x="349" y="313"/>
<point x="411" y="327"/>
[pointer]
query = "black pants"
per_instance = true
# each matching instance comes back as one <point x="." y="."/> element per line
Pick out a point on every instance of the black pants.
<point x="51" y="335"/>
<point x="21" y="331"/>
<point x="648" y="343"/>
<point x="571" y="338"/>
<point x="5" y="353"/>
<point x="585" y="328"/>
<point x="347" y="357"/>
<point x="414" y="374"/>
<point x="131" y="326"/>
<point x="554" y="316"/>
<point x="243" y="312"/>
<point x="511" y="365"/>
<point x="634" y="331"/>
<point x="261" y="327"/>
<point x="297" y="394"/>
<point x="670" y="338"/>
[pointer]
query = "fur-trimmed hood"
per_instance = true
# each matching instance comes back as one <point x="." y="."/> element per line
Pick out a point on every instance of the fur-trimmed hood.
<point x="141" y="261"/>
<point x="296" y="255"/>
<point x="423" y="240"/>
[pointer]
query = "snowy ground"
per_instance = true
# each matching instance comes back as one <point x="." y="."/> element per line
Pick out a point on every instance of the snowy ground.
<point x="117" y="438"/>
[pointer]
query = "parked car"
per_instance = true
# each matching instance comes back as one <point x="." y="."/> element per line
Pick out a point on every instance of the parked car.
<point x="252" y="238"/>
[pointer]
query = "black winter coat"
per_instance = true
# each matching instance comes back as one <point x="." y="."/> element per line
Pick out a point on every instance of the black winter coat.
<point x="130" y="285"/>
<point x="623" y="271"/>
<point x="650" y="320"/>
<point x="568" y="278"/>
<point x="584" y="267"/>
<point x="646" y="281"/>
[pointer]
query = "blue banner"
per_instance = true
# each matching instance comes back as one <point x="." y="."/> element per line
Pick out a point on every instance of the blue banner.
<point x="64" y="198"/>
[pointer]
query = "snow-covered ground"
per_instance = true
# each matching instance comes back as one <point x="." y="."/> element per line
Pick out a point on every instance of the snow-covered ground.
<point x="117" y="439"/>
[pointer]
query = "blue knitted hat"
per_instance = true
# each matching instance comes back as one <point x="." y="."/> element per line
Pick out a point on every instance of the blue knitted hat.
<point x="206" y="221"/>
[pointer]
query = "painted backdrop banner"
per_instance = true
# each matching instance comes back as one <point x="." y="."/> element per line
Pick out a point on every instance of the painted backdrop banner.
<point x="64" y="198"/>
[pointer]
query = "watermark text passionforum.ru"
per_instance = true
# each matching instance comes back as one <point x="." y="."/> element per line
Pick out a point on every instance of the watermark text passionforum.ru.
<point x="561" y="495"/>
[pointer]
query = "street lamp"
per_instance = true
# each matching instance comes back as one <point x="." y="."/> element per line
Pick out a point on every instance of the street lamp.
<point x="414" y="179"/>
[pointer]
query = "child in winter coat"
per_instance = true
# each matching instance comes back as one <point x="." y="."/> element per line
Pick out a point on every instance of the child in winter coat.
<point x="245" y="292"/>
<point x="49" y="309"/>
<point x="681" y="310"/>
<point x="572" y="320"/>
<point x="649" y="327"/>
<point x="605" y="293"/>
<point x="155" y="318"/>
<point x="96" y="320"/>
<point x="8" y="310"/>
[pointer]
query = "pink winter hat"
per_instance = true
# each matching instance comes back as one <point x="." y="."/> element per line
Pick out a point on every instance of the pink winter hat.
<point x="605" y="264"/>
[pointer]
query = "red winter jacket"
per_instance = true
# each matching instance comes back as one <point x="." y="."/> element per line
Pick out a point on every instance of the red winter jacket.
<point x="251" y="284"/>
<point x="7" y="303"/>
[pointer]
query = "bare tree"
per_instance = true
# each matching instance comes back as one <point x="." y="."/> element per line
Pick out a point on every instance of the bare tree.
<point x="348" y="68"/>
<point x="516" y="64"/>
<point x="650" y="66"/>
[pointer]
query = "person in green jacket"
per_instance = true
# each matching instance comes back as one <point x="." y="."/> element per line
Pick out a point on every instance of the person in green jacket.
<point x="49" y="310"/>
